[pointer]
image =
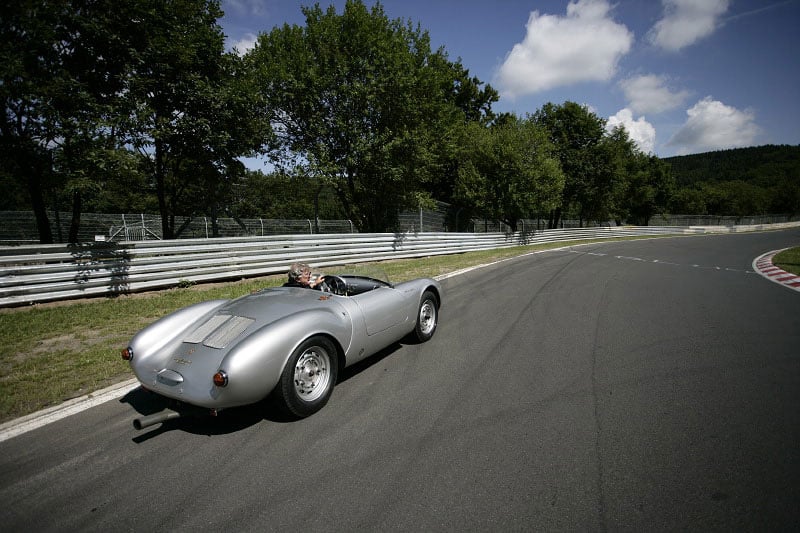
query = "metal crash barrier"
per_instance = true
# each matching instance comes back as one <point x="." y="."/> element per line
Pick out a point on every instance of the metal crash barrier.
<point x="41" y="273"/>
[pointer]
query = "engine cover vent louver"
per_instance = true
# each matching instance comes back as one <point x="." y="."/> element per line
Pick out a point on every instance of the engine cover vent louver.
<point x="225" y="334"/>
<point x="219" y="330"/>
<point x="206" y="329"/>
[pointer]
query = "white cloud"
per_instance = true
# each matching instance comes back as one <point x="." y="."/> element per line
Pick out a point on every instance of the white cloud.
<point x="713" y="125"/>
<point x="649" y="94"/>
<point x="686" y="22"/>
<point x="246" y="43"/>
<point x="585" y="45"/>
<point x="640" y="131"/>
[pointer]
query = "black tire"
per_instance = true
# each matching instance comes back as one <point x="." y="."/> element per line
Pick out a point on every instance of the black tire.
<point x="307" y="382"/>
<point x="427" y="316"/>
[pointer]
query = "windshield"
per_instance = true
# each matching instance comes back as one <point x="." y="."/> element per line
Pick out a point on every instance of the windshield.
<point x="365" y="271"/>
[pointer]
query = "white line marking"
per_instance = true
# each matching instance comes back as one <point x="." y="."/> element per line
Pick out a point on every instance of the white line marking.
<point x="71" y="407"/>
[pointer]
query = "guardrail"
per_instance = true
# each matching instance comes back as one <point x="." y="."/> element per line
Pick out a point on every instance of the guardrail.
<point x="42" y="273"/>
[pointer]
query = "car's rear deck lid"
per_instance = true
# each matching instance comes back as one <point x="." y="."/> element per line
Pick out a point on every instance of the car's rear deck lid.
<point x="219" y="330"/>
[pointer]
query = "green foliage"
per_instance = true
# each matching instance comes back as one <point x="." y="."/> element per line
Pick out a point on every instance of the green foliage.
<point x="363" y="103"/>
<point x="510" y="172"/>
<point x="83" y="83"/>
<point x="739" y="182"/>
<point x="193" y="113"/>
<point x="646" y="190"/>
<point x="587" y="163"/>
<point x="282" y="195"/>
<point x="784" y="196"/>
<point x="762" y="164"/>
<point x="45" y="102"/>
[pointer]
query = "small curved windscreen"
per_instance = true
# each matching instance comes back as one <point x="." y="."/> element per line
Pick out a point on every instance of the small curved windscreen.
<point x="367" y="272"/>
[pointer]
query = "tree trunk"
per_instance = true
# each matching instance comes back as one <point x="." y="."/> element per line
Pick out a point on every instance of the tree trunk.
<point x="161" y="192"/>
<point x="75" y="222"/>
<point x="555" y="218"/>
<point x="39" y="209"/>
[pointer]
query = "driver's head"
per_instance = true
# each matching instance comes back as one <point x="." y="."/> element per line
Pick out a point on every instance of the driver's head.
<point x="300" y="273"/>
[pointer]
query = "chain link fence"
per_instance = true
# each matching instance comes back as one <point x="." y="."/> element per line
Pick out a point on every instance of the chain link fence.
<point x="19" y="227"/>
<point x="710" y="220"/>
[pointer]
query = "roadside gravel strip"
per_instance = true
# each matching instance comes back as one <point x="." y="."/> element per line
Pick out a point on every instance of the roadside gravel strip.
<point x="762" y="265"/>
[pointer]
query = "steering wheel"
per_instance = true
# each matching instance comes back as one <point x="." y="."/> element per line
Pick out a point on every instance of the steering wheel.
<point x="335" y="285"/>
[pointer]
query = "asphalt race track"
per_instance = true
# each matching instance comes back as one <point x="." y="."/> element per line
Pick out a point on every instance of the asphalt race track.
<point x="625" y="386"/>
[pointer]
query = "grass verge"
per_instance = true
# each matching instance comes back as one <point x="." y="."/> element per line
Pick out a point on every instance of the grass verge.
<point x="788" y="260"/>
<point x="54" y="352"/>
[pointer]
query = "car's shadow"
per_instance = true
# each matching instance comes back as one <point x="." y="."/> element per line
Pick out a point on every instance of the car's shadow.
<point x="200" y="422"/>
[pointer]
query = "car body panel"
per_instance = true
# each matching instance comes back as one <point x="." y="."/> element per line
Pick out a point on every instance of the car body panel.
<point x="251" y="338"/>
<point x="382" y="309"/>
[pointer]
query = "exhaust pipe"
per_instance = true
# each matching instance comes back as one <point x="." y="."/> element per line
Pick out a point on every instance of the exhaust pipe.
<point x="152" y="420"/>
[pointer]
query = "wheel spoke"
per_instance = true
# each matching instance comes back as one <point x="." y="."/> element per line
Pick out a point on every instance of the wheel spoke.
<point x="427" y="317"/>
<point x="311" y="373"/>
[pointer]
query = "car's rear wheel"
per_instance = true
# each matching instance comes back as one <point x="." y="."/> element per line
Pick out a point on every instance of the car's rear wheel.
<point x="427" y="317"/>
<point x="309" y="377"/>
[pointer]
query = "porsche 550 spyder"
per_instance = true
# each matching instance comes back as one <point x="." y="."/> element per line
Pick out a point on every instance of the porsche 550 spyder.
<point x="284" y="342"/>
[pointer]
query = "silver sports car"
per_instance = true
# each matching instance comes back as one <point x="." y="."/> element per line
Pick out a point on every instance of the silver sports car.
<point x="286" y="342"/>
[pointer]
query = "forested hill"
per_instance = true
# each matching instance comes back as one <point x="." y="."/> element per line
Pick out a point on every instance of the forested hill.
<point x="760" y="165"/>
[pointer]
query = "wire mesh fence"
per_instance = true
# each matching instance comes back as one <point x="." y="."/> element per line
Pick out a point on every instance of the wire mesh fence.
<point x="712" y="220"/>
<point x="19" y="227"/>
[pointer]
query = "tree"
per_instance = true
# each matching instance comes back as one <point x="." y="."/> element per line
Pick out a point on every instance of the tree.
<point x="648" y="189"/>
<point x="576" y="134"/>
<point x="84" y="81"/>
<point x="785" y="197"/>
<point x="283" y="195"/>
<point x="362" y="102"/>
<point x="191" y="110"/>
<point x="473" y="105"/>
<point x="510" y="172"/>
<point x="34" y="35"/>
<point x="688" y="201"/>
<point x="63" y="68"/>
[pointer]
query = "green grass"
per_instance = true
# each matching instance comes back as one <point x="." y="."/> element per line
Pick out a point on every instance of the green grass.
<point x="54" y="352"/>
<point x="788" y="260"/>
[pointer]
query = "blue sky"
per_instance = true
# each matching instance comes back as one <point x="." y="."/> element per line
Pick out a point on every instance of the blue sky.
<point x="683" y="76"/>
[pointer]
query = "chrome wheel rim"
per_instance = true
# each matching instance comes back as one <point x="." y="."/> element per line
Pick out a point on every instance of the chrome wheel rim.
<point x="427" y="317"/>
<point x="312" y="373"/>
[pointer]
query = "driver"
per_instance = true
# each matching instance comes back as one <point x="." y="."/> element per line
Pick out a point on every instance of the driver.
<point x="300" y="276"/>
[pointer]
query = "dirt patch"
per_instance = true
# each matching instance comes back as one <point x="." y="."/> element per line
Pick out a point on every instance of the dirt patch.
<point x="72" y="342"/>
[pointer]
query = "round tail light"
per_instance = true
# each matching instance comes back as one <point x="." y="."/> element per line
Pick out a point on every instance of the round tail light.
<point x="220" y="379"/>
<point x="127" y="354"/>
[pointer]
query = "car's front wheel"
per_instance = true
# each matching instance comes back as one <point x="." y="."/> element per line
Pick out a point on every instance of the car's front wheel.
<point x="309" y="377"/>
<point x="427" y="316"/>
